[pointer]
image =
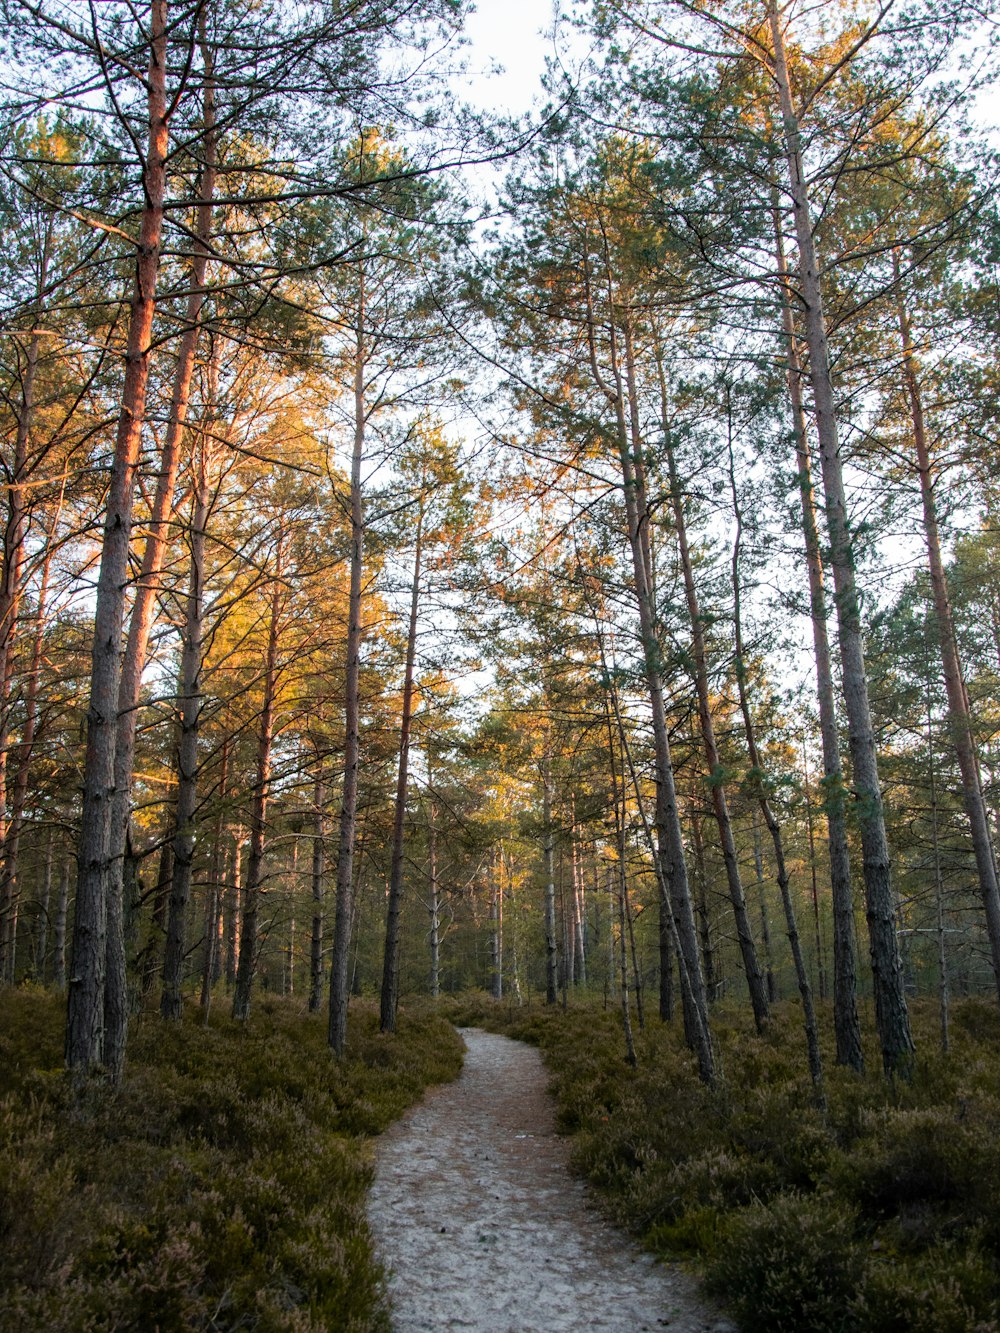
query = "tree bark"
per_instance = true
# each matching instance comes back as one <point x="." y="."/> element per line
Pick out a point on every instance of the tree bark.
<point x="891" y="1013"/>
<point x="847" y="1025"/>
<point x="140" y="622"/>
<point x="85" y="1018"/>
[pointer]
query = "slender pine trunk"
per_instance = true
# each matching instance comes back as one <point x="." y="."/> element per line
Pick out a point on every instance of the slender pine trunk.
<point x="891" y="1013"/>
<point x="389" y="1000"/>
<point x="247" y="963"/>
<point x="340" y="959"/>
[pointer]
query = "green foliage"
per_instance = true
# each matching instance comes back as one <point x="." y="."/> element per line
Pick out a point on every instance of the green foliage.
<point x="221" y="1187"/>
<point x="790" y="1265"/>
<point x="882" y="1215"/>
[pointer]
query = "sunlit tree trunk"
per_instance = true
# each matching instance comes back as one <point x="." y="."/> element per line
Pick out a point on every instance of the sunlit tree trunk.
<point x="548" y="849"/>
<point x="141" y="619"/>
<point x="85" y="1018"/>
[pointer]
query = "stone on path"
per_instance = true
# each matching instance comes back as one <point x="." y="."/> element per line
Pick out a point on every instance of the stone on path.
<point x="483" y="1227"/>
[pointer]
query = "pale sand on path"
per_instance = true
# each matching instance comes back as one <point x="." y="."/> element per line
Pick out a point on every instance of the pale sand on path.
<point x="483" y="1227"/>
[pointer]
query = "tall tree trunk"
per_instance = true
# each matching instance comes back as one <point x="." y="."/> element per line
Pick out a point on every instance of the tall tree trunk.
<point x="959" y="720"/>
<point x="340" y="958"/>
<point x="676" y="911"/>
<point x="496" y="927"/>
<point x="847" y="1025"/>
<point x="390" y="963"/>
<point x="59" y="928"/>
<point x="234" y="909"/>
<point x="548" y="850"/>
<point x="140" y="622"/>
<point x="11" y="581"/>
<point x="701" y="901"/>
<point x="432" y="872"/>
<point x="85" y="1017"/>
<point x="818" y="934"/>
<point x="258" y="810"/>
<point x="171" y="1000"/>
<point x="620" y="809"/>
<point x="42" y="942"/>
<point x="318" y="873"/>
<point x="891" y="1013"/>
<point x="213" y="911"/>
<point x="760" y="783"/>
<point x="25" y="752"/>
<point x="744" y="933"/>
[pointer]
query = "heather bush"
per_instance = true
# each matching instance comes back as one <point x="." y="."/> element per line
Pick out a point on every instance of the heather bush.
<point x="222" y="1186"/>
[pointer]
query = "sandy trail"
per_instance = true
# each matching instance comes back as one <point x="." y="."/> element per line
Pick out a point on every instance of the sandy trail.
<point x="484" y="1228"/>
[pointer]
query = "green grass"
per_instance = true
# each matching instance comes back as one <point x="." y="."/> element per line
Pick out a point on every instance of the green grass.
<point x="883" y="1216"/>
<point x="221" y="1187"/>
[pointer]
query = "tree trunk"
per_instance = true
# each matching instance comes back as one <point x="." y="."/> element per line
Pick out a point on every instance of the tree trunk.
<point x="432" y="870"/>
<point x="847" y="1025"/>
<point x="548" y="847"/>
<point x="85" y="1017"/>
<point x="744" y="933"/>
<point x="25" y="752"/>
<point x="390" y="963"/>
<point x="258" y="810"/>
<point x="213" y="911"/>
<point x="959" y="720"/>
<point x="340" y="959"/>
<point x="171" y="1000"/>
<point x="676" y="911"/>
<point x="318" y="873"/>
<point x="141" y="619"/>
<point x="891" y="1014"/>
<point x="770" y="819"/>
<point x="59" y="929"/>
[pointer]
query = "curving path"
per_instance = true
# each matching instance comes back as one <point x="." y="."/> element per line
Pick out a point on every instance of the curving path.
<point x="484" y="1228"/>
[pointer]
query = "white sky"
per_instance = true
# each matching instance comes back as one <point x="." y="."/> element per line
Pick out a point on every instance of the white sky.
<point x="510" y="33"/>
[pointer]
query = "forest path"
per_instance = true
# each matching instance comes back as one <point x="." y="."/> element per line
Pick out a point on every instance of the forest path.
<point x="484" y="1228"/>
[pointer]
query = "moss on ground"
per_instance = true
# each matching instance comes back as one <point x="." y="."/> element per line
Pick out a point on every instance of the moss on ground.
<point x="221" y="1187"/>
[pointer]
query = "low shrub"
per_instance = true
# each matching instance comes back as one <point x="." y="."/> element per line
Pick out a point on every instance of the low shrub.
<point x="221" y="1187"/>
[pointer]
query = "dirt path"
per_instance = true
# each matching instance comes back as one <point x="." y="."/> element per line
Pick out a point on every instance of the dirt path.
<point x="485" y="1229"/>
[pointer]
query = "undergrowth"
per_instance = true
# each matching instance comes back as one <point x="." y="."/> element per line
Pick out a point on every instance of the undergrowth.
<point x="221" y="1187"/>
<point x="880" y="1216"/>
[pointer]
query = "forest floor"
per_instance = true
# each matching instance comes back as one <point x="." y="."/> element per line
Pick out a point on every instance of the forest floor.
<point x="483" y="1227"/>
